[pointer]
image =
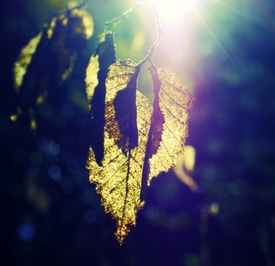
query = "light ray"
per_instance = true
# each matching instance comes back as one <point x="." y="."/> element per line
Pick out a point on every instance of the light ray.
<point x="265" y="24"/>
<point x="215" y="38"/>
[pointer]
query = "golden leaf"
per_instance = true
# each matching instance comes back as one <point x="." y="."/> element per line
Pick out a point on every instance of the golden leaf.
<point x="139" y="142"/>
<point x="91" y="76"/>
<point x="122" y="83"/>
<point x="119" y="178"/>
<point x="169" y="128"/>
<point x="23" y="61"/>
<point x="175" y="103"/>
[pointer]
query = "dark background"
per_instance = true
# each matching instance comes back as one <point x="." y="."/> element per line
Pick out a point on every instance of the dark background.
<point x="51" y="215"/>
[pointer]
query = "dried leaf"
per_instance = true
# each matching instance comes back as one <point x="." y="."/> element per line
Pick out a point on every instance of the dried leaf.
<point x="172" y="104"/>
<point x="138" y="143"/>
<point x="169" y="128"/>
<point x="96" y="75"/>
<point x="119" y="178"/>
<point x="122" y="86"/>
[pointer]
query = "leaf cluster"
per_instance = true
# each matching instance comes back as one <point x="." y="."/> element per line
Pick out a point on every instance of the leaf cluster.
<point x="130" y="140"/>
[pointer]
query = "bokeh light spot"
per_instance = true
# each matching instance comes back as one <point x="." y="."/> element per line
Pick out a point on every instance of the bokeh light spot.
<point x="26" y="232"/>
<point x="189" y="157"/>
<point x="214" y="208"/>
<point x="54" y="148"/>
<point x="54" y="173"/>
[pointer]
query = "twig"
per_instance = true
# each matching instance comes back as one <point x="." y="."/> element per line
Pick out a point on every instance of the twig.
<point x="153" y="48"/>
<point x="124" y="15"/>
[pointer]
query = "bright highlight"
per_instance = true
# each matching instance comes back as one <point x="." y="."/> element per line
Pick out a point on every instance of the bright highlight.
<point x="172" y="10"/>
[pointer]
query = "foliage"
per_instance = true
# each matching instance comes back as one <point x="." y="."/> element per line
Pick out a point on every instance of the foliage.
<point x="131" y="142"/>
<point x="56" y="47"/>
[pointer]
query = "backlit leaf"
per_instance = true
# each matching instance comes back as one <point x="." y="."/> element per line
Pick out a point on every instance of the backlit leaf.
<point x="24" y="59"/>
<point x="122" y="85"/>
<point x="139" y="142"/>
<point x="169" y="128"/>
<point x="175" y="103"/>
<point x="119" y="178"/>
<point x="96" y="75"/>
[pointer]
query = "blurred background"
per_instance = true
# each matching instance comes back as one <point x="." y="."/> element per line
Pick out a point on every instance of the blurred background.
<point x="224" y="51"/>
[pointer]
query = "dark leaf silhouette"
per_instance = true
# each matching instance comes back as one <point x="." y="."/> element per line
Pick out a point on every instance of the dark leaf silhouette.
<point x="123" y="81"/>
<point x="96" y="75"/>
<point x="48" y="59"/>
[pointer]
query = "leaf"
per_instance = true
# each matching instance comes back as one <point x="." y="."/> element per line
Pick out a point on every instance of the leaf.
<point x="155" y="133"/>
<point x="48" y="59"/>
<point x="139" y="142"/>
<point x="122" y="82"/>
<point x="172" y="107"/>
<point x="96" y="75"/>
<point x="169" y="129"/>
<point x="24" y="59"/>
<point x="119" y="178"/>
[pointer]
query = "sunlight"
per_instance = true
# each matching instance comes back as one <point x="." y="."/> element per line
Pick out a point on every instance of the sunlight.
<point x="172" y="10"/>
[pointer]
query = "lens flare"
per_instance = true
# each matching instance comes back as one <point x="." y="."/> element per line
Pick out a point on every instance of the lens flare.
<point x="172" y="10"/>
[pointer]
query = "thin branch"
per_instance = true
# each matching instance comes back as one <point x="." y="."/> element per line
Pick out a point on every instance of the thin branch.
<point x="124" y="15"/>
<point x="159" y="31"/>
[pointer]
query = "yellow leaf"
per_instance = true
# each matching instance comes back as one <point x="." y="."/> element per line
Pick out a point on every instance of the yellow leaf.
<point x="91" y="76"/>
<point x="169" y="128"/>
<point x="23" y="61"/>
<point x="139" y="141"/>
<point x="119" y="178"/>
<point x="175" y="103"/>
<point x="122" y="86"/>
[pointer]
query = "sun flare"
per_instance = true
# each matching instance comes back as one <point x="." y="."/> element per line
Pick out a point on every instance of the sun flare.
<point x="172" y="10"/>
